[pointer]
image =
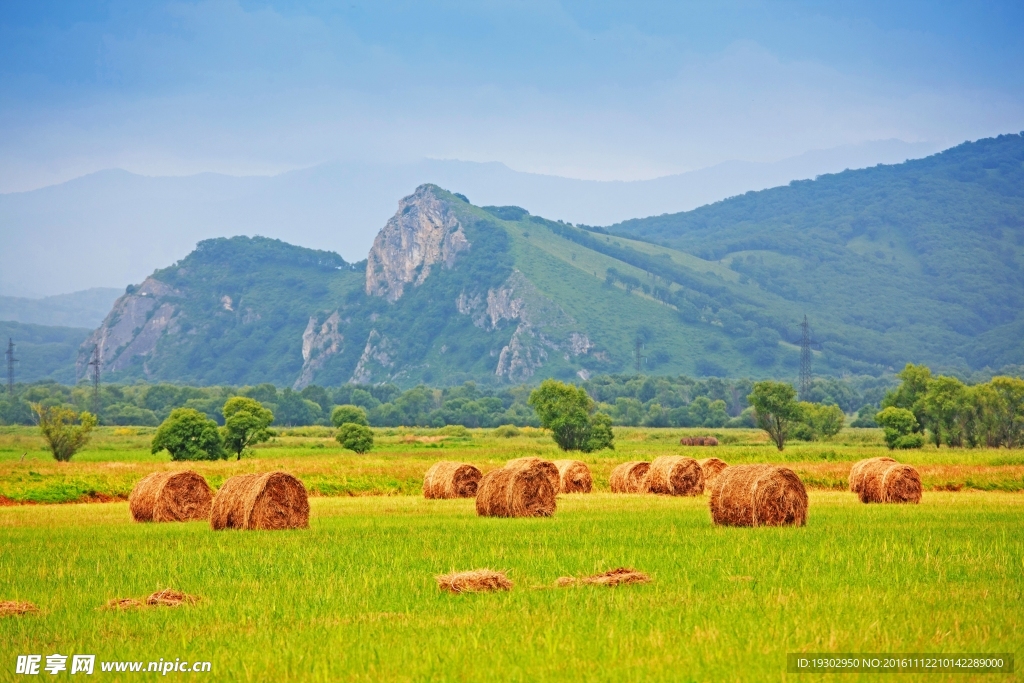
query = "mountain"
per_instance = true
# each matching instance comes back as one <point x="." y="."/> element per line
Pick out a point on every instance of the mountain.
<point x="114" y="227"/>
<point x="43" y="352"/>
<point x="78" y="309"/>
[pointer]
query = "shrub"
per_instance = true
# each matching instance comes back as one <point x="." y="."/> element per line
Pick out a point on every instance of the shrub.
<point x="348" y="414"/>
<point x="188" y="434"/>
<point x="62" y="435"/>
<point x="910" y="441"/>
<point x="507" y="431"/>
<point x="566" y="410"/>
<point x="355" y="437"/>
<point x="898" y="424"/>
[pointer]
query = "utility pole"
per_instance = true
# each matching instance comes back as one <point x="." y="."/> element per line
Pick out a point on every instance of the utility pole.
<point x="11" y="360"/>
<point x="95" y="365"/>
<point x="805" y="359"/>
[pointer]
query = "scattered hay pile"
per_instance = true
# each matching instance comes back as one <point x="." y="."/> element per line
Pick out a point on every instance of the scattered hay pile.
<point x="522" y="488"/>
<point x="889" y="482"/>
<point x="698" y="441"/>
<point x="548" y="466"/>
<point x="758" y="495"/>
<point x="475" y="581"/>
<point x="10" y="608"/>
<point x="171" y="497"/>
<point x="274" y="500"/>
<point x="629" y="477"/>
<point x="168" y="597"/>
<point x="674" y="475"/>
<point x="574" y="476"/>
<point x="447" y="479"/>
<point x="123" y="603"/>
<point x="857" y="472"/>
<point x="614" y="577"/>
<point x="712" y="467"/>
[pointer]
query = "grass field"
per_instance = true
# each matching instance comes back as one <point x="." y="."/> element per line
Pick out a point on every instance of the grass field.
<point x="354" y="598"/>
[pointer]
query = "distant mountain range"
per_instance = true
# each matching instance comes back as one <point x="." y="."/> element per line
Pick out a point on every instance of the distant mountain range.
<point x="114" y="227"/>
<point x="78" y="309"/>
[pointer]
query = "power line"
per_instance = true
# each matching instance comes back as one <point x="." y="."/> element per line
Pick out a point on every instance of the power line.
<point x="11" y="360"/>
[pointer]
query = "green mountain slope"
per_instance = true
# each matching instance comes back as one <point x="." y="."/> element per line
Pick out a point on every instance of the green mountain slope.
<point x="43" y="353"/>
<point x="920" y="261"/>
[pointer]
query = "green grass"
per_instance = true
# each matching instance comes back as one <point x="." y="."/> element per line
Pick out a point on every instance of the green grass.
<point x="353" y="597"/>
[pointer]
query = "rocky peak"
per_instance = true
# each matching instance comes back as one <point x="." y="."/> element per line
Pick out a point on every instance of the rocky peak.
<point x="423" y="233"/>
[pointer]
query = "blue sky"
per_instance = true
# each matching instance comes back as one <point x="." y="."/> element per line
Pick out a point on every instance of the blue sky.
<point x="582" y="89"/>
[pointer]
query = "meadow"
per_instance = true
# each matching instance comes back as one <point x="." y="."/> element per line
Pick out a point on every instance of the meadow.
<point x="354" y="598"/>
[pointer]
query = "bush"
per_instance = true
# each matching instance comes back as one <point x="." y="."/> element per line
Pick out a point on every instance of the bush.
<point x="458" y="431"/>
<point x="355" y="437"/>
<point x="62" y="435"/>
<point x="506" y="431"/>
<point x="910" y="441"/>
<point x="898" y="424"/>
<point x="188" y="434"/>
<point x="566" y="411"/>
<point x="349" y="414"/>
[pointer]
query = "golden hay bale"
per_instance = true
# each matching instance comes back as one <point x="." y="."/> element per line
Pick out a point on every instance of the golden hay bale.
<point x="475" y="581"/>
<point x="520" y="489"/>
<point x="890" y="482"/>
<point x="686" y="441"/>
<point x="710" y="441"/>
<point x="711" y="467"/>
<point x="674" y="475"/>
<point x="698" y="441"/>
<point x="15" y="608"/>
<point x="574" y="476"/>
<point x="613" y="577"/>
<point x="273" y="500"/>
<point x="447" y="479"/>
<point x="857" y="472"/>
<point x="171" y="497"/>
<point x="547" y="465"/>
<point x="168" y="597"/>
<point x="758" y="495"/>
<point x="628" y="477"/>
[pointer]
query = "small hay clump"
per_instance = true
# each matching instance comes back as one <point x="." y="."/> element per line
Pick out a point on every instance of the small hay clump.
<point x="890" y="482"/>
<point x="522" y="488"/>
<point x="123" y="603"/>
<point x="613" y="577"/>
<point x="475" y="581"/>
<point x="712" y="467"/>
<point x="168" y="597"/>
<point x="171" y="497"/>
<point x="758" y="495"/>
<point x="273" y="500"/>
<point x="447" y="479"/>
<point x="628" y="477"/>
<point x="574" y="476"/>
<point x="674" y="475"/>
<point x="857" y="472"/>
<point x="15" y="608"/>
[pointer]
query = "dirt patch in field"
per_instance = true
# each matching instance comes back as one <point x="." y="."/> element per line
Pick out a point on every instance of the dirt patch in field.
<point x="612" y="577"/>
<point x="474" y="581"/>
<point x="14" y="608"/>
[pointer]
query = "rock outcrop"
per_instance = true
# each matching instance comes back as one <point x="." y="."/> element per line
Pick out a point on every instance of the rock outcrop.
<point x="378" y="359"/>
<point x="424" y="233"/>
<point x="318" y="346"/>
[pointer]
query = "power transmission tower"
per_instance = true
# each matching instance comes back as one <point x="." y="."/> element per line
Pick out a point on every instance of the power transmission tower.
<point x="95" y="365"/>
<point x="11" y="360"/>
<point x="640" y="359"/>
<point x="805" y="359"/>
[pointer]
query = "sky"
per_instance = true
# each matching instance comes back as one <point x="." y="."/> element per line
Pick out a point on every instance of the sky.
<point x="591" y="90"/>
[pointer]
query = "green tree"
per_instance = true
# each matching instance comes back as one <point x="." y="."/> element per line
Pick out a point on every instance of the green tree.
<point x="825" y="421"/>
<point x="349" y="414"/>
<point x="188" y="434"/>
<point x="947" y="407"/>
<point x="776" y="409"/>
<point x="568" y="412"/>
<point x="58" y="427"/>
<point x="911" y="392"/>
<point x="899" y="425"/>
<point x="246" y="423"/>
<point x="355" y="437"/>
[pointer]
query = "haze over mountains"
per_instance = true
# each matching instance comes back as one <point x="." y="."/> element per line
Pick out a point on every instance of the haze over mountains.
<point x="112" y="228"/>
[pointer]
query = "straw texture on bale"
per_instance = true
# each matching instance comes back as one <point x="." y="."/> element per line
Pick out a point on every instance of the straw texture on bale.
<point x="614" y="577"/>
<point x="16" y="608"/>
<point x="274" y="500"/>
<point x="711" y="467"/>
<point x="890" y="482"/>
<point x="674" y="475"/>
<point x="171" y="497"/>
<point x="519" y="489"/>
<point x="574" y="476"/>
<point x="447" y="479"/>
<point x="168" y="597"/>
<point x="549" y="467"/>
<point x="475" y="581"/>
<point x="857" y="472"/>
<point x="628" y="477"/>
<point x="758" y="495"/>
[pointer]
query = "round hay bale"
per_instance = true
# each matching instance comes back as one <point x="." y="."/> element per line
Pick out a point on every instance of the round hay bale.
<point x="711" y="467"/>
<point x="890" y="482"/>
<point x="857" y="472"/>
<point x="171" y="497"/>
<point x="674" y="475"/>
<point x="710" y="441"/>
<point x="628" y="477"/>
<point x="517" y="490"/>
<point x="698" y="441"/>
<point x="447" y="479"/>
<point x="686" y="441"/>
<point x="758" y="495"/>
<point x="574" y="476"/>
<point x="273" y="500"/>
<point x="547" y="465"/>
